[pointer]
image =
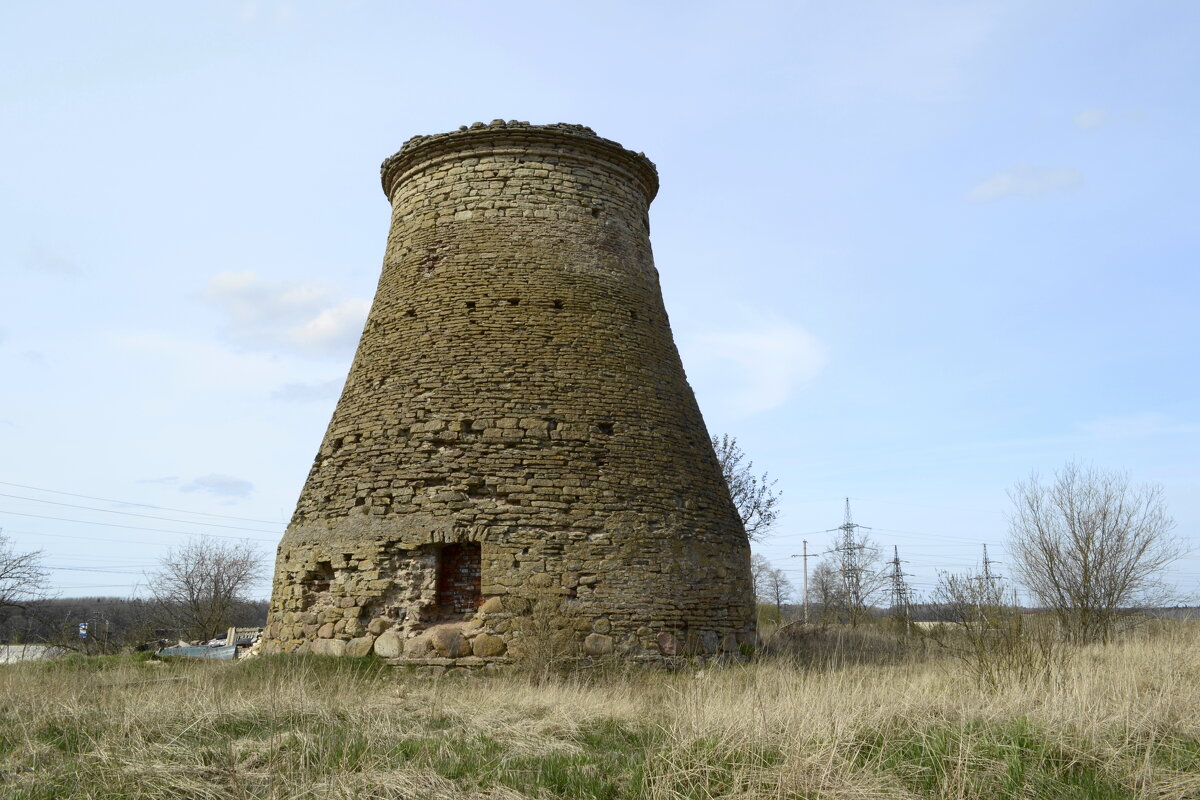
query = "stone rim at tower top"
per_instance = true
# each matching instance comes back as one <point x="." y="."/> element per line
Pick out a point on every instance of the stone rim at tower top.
<point x="420" y="153"/>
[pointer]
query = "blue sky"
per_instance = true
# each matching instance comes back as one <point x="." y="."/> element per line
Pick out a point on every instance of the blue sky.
<point x="911" y="251"/>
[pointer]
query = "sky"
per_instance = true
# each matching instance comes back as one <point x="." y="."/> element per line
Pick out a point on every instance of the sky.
<point x="912" y="252"/>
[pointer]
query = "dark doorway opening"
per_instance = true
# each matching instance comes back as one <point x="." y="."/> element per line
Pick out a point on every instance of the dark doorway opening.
<point x="459" y="578"/>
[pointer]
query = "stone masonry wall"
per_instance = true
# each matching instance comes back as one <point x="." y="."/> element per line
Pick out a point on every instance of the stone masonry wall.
<point x="516" y="388"/>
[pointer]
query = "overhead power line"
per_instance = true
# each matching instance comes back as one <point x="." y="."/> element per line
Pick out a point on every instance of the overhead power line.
<point x="143" y="505"/>
<point x="116" y="541"/>
<point x="134" y="514"/>
<point x="135" y="527"/>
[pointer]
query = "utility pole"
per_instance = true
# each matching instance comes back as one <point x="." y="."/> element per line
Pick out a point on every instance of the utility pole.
<point x="804" y="555"/>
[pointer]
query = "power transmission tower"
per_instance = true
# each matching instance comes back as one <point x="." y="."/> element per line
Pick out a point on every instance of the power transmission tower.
<point x="901" y="605"/>
<point x="988" y="577"/>
<point x="850" y="556"/>
<point x="990" y="598"/>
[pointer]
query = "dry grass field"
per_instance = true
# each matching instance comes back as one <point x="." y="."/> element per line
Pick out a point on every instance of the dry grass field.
<point x="1121" y="721"/>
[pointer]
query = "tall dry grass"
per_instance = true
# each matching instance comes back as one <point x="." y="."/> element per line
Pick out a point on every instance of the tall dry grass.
<point x="1120" y="721"/>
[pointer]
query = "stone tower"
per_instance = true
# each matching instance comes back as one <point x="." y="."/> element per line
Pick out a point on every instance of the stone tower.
<point x="516" y="432"/>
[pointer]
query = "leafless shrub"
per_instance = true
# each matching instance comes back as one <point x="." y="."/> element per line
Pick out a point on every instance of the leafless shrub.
<point x="1091" y="546"/>
<point x="544" y="644"/>
<point x="987" y="631"/>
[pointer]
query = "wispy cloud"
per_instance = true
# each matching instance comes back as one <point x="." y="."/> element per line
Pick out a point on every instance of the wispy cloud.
<point x="758" y="365"/>
<point x="305" y="318"/>
<point x="220" y="485"/>
<point x="307" y="392"/>
<point x="1027" y="181"/>
<point x="1091" y="118"/>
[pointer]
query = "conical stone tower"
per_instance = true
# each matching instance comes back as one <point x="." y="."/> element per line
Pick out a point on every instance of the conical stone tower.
<point x="516" y="456"/>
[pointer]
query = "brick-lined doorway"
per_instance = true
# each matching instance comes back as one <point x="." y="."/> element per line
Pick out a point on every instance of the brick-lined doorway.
<point x="458" y="585"/>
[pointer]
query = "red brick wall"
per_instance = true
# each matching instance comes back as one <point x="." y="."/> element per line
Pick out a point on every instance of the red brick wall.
<point x="458" y="587"/>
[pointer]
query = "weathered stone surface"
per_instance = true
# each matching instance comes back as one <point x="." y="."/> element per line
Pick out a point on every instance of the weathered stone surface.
<point x="666" y="643"/>
<point x="378" y="625"/>
<point x="328" y="647"/>
<point x="450" y="643"/>
<point x="493" y="605"/>
<point x="485" y="645"/>
<point x="420" y="647"/>
<point x="517" y="409"/>
<point x="357" y="648"/>
<point x="389" y="645"/>
<point x="597" y="644"/>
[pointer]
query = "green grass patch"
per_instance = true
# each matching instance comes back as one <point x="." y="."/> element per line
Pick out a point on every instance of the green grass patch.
<point x="1012" y="760"/>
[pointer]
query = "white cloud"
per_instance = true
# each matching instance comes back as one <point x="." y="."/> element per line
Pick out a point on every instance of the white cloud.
<point x="307" y="392"/>
<point x="1091" y="118"/>
<point x="220" y="485"/>
<point x="305" y="318"/>
<point x="1025" y="181"/>
<point x="755" y="367"/>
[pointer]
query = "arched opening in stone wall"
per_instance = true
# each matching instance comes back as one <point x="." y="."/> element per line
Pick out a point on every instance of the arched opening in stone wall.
<point x="459" y="578"/>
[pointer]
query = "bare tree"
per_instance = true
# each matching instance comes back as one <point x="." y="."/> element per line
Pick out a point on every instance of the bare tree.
<point x="859" y="568"/>
<point x="754" y="496"/>
<point x="827" y="591"/>
<point x="1089" y="546"/>
<point x="779" y="589"/>
<point x="772" y="587"/>
<point x="759" y="569"/>
<point x="22" y="578"/>
<point x="201" y="584"/>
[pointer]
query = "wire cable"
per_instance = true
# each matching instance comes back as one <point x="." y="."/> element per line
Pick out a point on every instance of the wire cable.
<point x="136" y="527"/>
<point x="135" y="514"/>
<point x="144" y="505"/>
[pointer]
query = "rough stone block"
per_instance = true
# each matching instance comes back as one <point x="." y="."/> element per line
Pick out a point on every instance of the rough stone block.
<point x="597" y="644"/>
<point x="450" y="643"/>
<point x="493" y="605"/>
<point x="419" y="647"/>
<point x="328" y="647"/>
<point x="389" y="645"/>
<point x="485" y="645"/>
<point x="357" y="648"/>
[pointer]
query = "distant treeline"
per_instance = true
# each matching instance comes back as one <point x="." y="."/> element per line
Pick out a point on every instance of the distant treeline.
<point x="113" y="623"/>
